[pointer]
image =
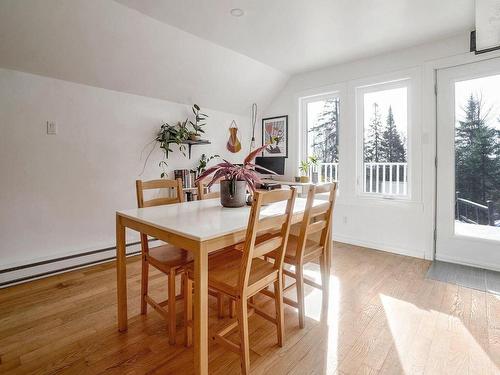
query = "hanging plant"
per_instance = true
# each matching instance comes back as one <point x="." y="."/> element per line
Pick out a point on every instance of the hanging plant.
<point x="177" y="134"/>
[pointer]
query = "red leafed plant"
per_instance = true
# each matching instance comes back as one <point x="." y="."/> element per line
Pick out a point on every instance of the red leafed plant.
<point x="229" y="171"/>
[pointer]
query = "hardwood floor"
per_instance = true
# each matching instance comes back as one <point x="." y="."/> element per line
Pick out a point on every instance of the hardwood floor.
<point x="383" y="317"/>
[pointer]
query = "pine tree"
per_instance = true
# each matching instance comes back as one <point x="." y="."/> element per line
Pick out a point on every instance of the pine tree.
<point x="325" y="133"/>
<point x="392" y="144"/>
<point x="477" y="155"/>
<point x="373" y="137"/>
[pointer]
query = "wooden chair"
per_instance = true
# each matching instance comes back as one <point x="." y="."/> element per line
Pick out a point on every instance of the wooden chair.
<point x="203" y="192"/>
<point x="241" y="274"/>
<point x="310" y="245"/>
<point x="166" y="258"/>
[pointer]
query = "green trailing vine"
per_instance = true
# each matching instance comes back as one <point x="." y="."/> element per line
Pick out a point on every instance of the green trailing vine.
<point x="177" y="134"/>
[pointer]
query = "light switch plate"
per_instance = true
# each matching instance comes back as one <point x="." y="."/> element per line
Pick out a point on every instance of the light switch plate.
<point x="51" y="128"/>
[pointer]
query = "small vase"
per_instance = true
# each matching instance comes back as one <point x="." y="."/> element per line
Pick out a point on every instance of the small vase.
<point x="233" y="193"/>
<point x="304" y="179"/>
<point x="315" y="177"/>
<point x="194" y="137"/>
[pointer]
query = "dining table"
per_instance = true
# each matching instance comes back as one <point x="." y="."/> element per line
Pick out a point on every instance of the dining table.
<point x="201" y="227"/>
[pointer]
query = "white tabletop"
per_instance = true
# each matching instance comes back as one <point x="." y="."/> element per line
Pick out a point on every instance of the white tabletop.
<point x="206" y="219"/>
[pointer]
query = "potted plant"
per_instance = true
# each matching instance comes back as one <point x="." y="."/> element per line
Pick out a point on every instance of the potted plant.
<point x="177" y="134"/>
<point x="304" y="169"/>
<point x="313" y="163"/>
<point x="198" y="123"/>
<point x="202" y="163"/>
<point x="234" y="179"/>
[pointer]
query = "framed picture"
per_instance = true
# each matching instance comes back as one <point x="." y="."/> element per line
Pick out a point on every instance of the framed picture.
<point x="275" y="135"/>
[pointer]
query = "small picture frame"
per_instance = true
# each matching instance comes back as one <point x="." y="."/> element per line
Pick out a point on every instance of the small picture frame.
<point x="275" y="135"/>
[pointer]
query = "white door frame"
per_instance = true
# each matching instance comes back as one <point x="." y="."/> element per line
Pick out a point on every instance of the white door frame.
<point x="450" y="246"/>
<point x="429" y="136"/>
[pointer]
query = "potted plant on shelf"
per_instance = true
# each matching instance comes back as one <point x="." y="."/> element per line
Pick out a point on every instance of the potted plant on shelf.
<point x="178" y="134"/>
<point x="234" y="179"/>
<point x="198" y="123"/>
<point x="202" y="163"/>
<point x="304" y="169"/>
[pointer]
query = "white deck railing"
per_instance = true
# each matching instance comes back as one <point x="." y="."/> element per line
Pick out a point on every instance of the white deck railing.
<point x="381" y="178"/>
<point x="386" y="178"/>
<point x="327" y="172"/>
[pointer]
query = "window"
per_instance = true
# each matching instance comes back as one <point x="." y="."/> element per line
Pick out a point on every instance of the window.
<point x="321" y="115"/>
<point x="384" y="114"/>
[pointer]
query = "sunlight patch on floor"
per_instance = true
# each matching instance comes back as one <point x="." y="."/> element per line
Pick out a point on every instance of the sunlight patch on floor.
<point x="314" y="303"/>
<point x="411" y="332"/>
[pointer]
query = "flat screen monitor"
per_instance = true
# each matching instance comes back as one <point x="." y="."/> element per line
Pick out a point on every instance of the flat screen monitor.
<point x="275" y="164"/>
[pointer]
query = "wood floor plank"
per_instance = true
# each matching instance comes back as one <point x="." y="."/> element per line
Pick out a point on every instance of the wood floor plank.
<point x="383" y="317"/>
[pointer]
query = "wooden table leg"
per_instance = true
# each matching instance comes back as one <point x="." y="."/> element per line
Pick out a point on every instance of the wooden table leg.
<point x="201" y="312"/>
<point x="121" y="275"/>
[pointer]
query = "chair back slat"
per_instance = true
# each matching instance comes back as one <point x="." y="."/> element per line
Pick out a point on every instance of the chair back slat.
<point x="316" y="227"/>
<point x="321" y="189"/>
<point x="317" y="219"/>
<point x="160" y="202"/>
<point x="276" y="196"/>
<point x="278" y="225"/>
<point x="158" y="184"/>
<point x="271" y="222"/>
<point x="205" y="193"/>
<point x="267" y="246"/>
<point x="319" y="210"/>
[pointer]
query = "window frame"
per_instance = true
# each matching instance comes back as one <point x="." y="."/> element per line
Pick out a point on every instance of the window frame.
<point x="304" y="100"/>
<point x="404" y="81"/>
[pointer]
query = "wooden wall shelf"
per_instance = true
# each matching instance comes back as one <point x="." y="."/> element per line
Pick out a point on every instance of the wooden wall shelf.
<point x="191" y="143"/>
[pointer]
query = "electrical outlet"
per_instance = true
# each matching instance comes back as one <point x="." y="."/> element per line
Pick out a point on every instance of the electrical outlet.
<point x="344" y="219"/>
<point x="51" y="128"/>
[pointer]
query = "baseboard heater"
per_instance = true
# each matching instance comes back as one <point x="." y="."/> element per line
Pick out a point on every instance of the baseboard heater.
<point x="26" y="272"/>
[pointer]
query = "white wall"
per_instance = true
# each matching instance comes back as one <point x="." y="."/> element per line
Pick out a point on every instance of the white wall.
<point x="105" y="44"/>
<point x="405" y="228"/>
<point x="59" y="193"/>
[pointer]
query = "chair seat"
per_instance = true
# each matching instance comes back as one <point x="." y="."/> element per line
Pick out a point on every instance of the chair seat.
<point x="224" y="272"/>
<point x="312" y="250"/>
<point x="166" y="257"/>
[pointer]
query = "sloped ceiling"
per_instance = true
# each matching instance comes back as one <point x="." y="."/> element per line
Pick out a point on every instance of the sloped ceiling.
<point x="106" y="44"/>
<point x="300" y="35"/>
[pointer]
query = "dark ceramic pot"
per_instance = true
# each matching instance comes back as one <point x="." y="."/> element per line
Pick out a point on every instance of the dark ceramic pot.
<point x="233" y="193"/>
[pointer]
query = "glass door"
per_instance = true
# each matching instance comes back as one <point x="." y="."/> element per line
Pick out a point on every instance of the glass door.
<point x="468" y="164"/>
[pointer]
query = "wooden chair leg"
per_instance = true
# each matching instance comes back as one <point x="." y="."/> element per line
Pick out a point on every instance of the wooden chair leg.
<point x="220" y="305"/>
<point x="325" y="276"/>
<point x="182" y="285"/>
<point x="144" y="284"/>
<point x="299" y="276"/>
<point x="172" y="316"/>
<point x="242" y="316"/>
<point x="188" y="311"/>
<point x="278" y="301"/>
<point x="232" y="308"/>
